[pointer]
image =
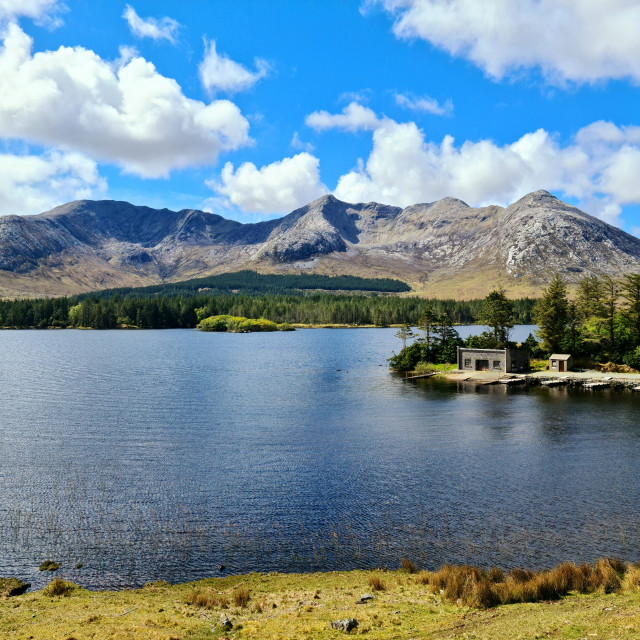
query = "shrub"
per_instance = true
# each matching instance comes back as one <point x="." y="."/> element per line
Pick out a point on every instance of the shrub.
<point x="241" y="596"/>
<point x="377" y="583"/>
<point x="213" y="323"/>
<point x="632" y="358"/>
<point x="425" y="367"/>
<point x="408" y="358"/>
<point x="59" y="587"/>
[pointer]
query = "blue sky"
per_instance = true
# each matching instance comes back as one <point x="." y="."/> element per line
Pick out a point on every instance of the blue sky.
<point x="251" y="108"/>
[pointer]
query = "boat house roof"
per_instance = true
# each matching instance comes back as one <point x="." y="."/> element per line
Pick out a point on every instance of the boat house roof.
<point x="559" y="356"/>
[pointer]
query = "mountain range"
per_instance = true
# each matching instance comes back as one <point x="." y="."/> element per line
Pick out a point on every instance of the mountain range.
<point x="442" y="249"/>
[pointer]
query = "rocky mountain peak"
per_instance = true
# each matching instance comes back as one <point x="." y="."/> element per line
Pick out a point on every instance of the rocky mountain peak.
<point x="442" y="248"/>
<point x="540" y="198"/>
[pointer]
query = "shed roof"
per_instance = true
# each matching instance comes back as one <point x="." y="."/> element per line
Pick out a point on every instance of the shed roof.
<point x="560" y="356"/>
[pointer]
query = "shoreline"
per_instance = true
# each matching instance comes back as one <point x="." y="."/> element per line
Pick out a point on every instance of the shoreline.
<point x="590" y="379"/>
<point x="401" y="604"/>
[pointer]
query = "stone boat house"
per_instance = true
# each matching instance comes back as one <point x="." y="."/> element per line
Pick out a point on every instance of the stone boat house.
<point x="560" y="362"/>
<point x="497" y="360"/>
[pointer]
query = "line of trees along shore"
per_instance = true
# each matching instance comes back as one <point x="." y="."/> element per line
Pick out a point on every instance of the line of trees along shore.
<point x="601" y="323"/>
<point x="165" y="312"/>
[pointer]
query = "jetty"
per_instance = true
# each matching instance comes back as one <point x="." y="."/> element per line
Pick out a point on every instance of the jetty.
<point x="553" y="383"/>
<point x="413" y="376"/>
<point x="587" y="380"/>
<point x="595" y="385"/>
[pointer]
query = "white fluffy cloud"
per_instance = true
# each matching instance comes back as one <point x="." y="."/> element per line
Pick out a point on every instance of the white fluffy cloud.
<point x="599" y="168"/>
<point x="354" y="117"/>
<point x="163" y="29"/>
<point x="569" y="40"/>
<point x="36" y="9"/>
<point x="31" y="184"/>
<point x="220" y="73"/>
<point x="279" y="187"/>
<point x="424" y="103"/>
<point x="298" y="145"/>
<point x="129" y="115"/>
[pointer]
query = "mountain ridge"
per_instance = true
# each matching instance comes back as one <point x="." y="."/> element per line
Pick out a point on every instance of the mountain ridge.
<point x="441" y="247"/>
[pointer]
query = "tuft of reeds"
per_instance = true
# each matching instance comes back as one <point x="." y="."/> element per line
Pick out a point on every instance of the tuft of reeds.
<point x="423" y="577"/>
<point x="631" y="580"/>
<point x="241" y="596"/>
<point x="59" y="587"/>
<point x="406" y="566"/>
<point x="206" y="598"/>
<point x="377" y="583"/>
<point x="476" y="588"/>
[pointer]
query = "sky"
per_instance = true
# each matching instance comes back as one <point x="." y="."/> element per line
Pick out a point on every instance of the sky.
<point x="250" y="109"/>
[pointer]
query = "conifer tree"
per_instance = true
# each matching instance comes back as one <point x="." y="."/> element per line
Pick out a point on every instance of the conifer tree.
<point x="404" y="333"/>
<point x="426" y="322"/>
<point x="631" y="293"/>
<point x="550" y="314"/>
<point x="610" y="294"/>
<point x="497" y="313"/>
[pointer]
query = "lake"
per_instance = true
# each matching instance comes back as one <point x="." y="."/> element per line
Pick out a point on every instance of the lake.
<point x="164" y="454"/>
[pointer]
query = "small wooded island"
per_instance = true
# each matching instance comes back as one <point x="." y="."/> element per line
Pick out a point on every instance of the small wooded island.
<point x="238" y="324"/>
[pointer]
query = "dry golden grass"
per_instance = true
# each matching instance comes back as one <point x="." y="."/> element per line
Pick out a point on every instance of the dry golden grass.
<point x="377" y="583"/>
<point x="631" y="580"/>
<point x="301" y="607"/>
<point x="406" y="566"/>
<point x="207" y="598"/>
<point x="480" y="589"/>
<point x="241" y="596"/>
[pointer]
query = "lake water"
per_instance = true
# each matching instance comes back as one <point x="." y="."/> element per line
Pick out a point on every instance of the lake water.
<point x="164" y="454"/>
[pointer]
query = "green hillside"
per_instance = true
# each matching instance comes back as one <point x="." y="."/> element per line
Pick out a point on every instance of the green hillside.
<point x="253" y="283"/>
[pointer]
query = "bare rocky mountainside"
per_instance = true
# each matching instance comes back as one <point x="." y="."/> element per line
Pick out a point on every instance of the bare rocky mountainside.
<point x="443" y="248"/>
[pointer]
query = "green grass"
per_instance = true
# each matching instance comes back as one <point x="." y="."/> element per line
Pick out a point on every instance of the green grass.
<point x="302" y="606"/>
<point x="428" y="367"/>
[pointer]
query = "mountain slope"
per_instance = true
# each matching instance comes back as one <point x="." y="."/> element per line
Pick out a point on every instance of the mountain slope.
<point x="441" y="248"/>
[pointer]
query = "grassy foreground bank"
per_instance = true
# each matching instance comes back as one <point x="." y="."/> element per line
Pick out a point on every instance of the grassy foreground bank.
<point x="302" y="606"/>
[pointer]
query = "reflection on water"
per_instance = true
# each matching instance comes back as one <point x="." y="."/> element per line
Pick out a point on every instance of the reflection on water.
<point x="163" y="454"/>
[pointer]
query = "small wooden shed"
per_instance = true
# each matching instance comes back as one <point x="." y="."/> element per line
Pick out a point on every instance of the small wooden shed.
<point x="560" y="362"/>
